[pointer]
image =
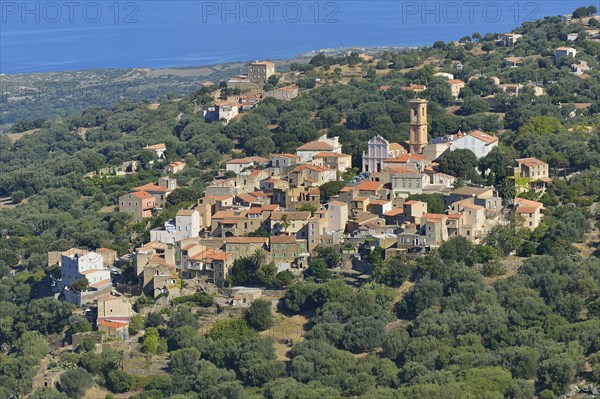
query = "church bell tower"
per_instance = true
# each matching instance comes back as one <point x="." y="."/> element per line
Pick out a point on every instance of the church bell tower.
<point x="418" y="125"/>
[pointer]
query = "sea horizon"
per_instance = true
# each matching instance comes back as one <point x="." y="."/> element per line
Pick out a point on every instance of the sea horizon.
<point x="37" y="38"/>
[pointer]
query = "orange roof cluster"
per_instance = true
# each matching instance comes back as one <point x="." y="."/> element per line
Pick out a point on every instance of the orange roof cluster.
<point x="455" y="81"/>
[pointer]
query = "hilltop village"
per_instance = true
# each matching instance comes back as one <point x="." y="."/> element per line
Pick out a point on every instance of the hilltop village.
<point x="412" y="224"/>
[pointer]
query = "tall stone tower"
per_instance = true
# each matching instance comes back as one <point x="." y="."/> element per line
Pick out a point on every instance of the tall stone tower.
<point x="418" y="125"/>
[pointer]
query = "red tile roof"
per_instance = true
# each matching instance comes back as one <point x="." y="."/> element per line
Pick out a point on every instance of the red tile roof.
<point x="394" y="212"/>
<point x="151" y="187"/>
<point x="283" y="240"/>
<point x="141" y="194"/>
<point x="369" y="185"/>
<point x="112" y="324"/>
<point x="483" y="136"/>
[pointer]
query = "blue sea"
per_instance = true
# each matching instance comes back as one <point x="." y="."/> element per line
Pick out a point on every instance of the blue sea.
<point x="42" y="36"/>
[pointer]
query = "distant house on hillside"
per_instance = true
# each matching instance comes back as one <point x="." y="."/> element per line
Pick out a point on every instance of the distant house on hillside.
<point x="562" y="52"/>
<point x="158" y="149"/>
<point x="456" y="86"/>
<point x="478" y="142"/>
<point x="308" y="151"/>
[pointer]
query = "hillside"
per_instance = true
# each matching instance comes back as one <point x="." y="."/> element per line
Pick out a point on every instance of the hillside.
<point x="507" y="310"/>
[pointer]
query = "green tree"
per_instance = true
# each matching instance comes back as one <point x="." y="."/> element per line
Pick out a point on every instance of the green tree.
<point x="80" y="285"/>
<point x="136" y="323"/>
<point x="460" y="163"/>
<point x="118" y="381"/>
<point x="75" y="382"/>
<point x="258" y="315"/>
<point x="151" y="341"/>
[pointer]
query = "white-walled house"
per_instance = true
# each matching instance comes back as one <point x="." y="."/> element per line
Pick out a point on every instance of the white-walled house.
<point x="478" y="142"/>
<point x="337" y="215"/>
<point x="76" y="264"/>
<point x="186" y="225"/>
<point x="308" y="151"/>
<point x="239" y="164"/>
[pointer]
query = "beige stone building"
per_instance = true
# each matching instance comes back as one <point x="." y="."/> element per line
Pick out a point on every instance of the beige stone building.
<point x="260" y="71"/>
<point x="532" y="212"/>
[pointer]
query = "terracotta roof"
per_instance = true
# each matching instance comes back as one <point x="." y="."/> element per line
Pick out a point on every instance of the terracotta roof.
<point x="246" y="240"/>
<point x="185" y="212"/>
<point x="565" y="49"/>
<point x="247" y="160"/>
<point x="338" y="203"/>
<point x="315" y="146"/>
<point x="471" y="191"/>
<point x="483" y="136"/>
<point x="530" y="162"/>
<point x="271" y="207"/>
<point x="525" y="202"/>
<point x="526" y="209"/>
<point x="151" y="187"/>
<point x="455" y="81"/>
<point x="283" y="240"/>
<point x="247" y="197"/>
<point x="101" y="283"/>
<point x="314" y="168"/>
<point x="112" y="324"/>
<point x="380" y="202"/>
<point x="75" y="251"/>
<point x="286" y="155"/>
<point x="412" y="202"/>
<point x="161" y="261"/>
<point x="219" y="197"/>
<point x="369" y="185"/>
<point x="348" y="189"/>
<point x="394" y="212"/>
<point x="141" y="194"/>
<point x="153" y="245"/>
<point x="263" y="63"/>
<point x="406" y="158"/>
<point x="434" y="215"/>
<point x="469" y="205"/>
<point x="364" y="217"/>
<point x="291" y="215"/>
<point x="210" y="255"/>
<point x="403" y="168"/>
<point x="90" y="271"/>
<point x="332" y="154"/>
<point x="160" y="146"/>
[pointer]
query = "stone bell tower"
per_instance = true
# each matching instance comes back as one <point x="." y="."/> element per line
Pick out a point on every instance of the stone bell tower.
<point x="418" y="125"/>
